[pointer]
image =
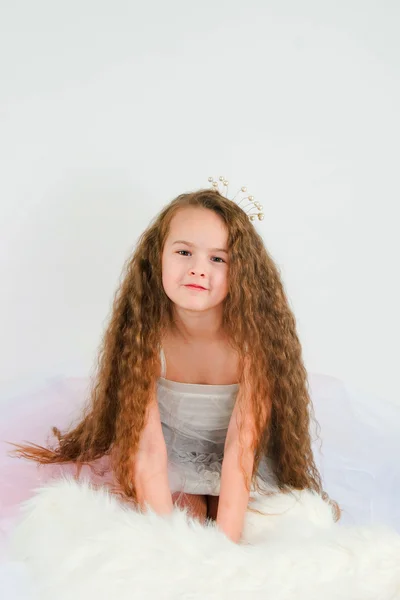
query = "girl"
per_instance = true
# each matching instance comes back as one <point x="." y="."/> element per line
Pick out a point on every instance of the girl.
<point x="201" y="389"/>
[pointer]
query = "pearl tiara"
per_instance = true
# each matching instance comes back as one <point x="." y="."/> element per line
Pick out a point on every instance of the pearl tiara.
<point x="252" y="203"/>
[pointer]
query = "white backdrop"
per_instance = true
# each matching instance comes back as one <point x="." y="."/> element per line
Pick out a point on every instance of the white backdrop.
<point x="110" y="109"/>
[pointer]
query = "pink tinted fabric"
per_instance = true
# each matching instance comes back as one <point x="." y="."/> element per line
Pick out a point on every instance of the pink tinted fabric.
<point x="30" y="418"/>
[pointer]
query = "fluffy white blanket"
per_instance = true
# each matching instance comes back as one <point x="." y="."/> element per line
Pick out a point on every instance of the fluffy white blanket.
<point x="81" y="543"/>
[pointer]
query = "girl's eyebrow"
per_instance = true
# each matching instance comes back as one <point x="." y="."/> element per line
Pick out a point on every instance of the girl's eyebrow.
<point x="193" y="246"/>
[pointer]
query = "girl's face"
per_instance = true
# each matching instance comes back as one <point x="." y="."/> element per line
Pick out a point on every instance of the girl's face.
<point x="196" y="252"/>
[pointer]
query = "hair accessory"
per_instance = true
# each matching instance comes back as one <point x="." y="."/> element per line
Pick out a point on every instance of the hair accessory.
<point x="252" y="203"/>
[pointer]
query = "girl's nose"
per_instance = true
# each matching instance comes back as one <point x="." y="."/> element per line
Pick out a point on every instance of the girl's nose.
<point x="198" y="267"/>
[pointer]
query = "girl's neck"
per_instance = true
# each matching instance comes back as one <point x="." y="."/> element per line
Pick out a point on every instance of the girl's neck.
<point x="197" y="337"/>
<point x="198" y="328"/>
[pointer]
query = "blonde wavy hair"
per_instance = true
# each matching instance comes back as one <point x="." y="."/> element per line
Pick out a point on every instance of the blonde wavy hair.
<point x="256" y="316"/>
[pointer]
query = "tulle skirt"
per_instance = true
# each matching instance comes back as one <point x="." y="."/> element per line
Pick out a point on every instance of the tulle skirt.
<point x="358" y="458"/>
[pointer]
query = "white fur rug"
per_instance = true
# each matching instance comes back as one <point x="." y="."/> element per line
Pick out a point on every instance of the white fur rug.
<point x="81" y="544"/>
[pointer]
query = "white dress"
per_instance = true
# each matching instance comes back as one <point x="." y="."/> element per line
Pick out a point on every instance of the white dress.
<point x="195" y="420"/>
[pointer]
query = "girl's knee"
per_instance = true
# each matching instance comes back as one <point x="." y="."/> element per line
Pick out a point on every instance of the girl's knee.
<point x="195" y="504"/>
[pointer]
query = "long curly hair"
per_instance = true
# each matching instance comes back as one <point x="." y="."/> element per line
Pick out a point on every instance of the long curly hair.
<point x="256" y="317"/>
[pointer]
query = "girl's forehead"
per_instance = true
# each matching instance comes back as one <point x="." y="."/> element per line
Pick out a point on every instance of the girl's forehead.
<point x="198" y="221"/>
<point x="200" y="239"/>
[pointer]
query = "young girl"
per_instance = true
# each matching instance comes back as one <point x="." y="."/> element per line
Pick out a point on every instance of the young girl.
<point x="201" y="389"/>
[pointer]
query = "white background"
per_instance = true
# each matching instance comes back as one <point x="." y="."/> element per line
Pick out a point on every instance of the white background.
<point x="111" y="109"/>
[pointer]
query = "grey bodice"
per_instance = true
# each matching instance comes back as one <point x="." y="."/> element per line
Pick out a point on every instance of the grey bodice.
<point x="195" y="420"/>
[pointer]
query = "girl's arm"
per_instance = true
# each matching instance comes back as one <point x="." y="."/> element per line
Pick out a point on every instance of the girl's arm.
<point x="151" y="465"/>
<point x="237" y="466"/>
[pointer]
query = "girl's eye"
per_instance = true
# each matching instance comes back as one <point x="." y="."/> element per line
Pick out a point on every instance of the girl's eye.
<point x="217" y="257"/>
